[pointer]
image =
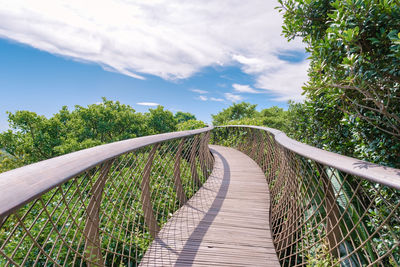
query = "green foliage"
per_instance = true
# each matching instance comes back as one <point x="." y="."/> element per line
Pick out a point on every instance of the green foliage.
<point x="160" y="120"/>
<point x="324" y="126"/>
<point x="235" y="112"/>
<point x="33" y="138"/>
<point x="108" y="121"/>
<point x="246" y="114"/>
<point x="121" y="219"/>
<point x="322" y="259"/>
<point x="353" y="91"/>
<point x="354" y="86"/>
<point x="8" y="162"/>
<point x="184" y="116"/>
<point x="275" y="117"/>
<point x="190" y="125"/>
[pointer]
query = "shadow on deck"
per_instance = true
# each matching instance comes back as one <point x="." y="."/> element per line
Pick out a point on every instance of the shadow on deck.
<point x="226" y="223"/>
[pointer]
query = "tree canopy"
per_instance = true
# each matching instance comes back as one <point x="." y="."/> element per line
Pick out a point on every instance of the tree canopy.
<point x="184" y="116"/>
<point x="353" y="91"/>
<point x="160" y="120"/>
<point x="190" y="125"/>
<point x="33" y="137"/>
<point x="235" y="112"/>
<point x="354" y="48"/>
<point x="246" y="114"/>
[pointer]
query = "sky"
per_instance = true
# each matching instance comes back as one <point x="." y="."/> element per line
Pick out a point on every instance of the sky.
<point x="197" y="56"/>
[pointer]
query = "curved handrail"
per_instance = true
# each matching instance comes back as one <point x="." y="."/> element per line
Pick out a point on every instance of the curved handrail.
<point x="325" y="207"/>
<point x="373" y="172"/>
<point x="19" y="186"/>
<point x="104" y="203"/>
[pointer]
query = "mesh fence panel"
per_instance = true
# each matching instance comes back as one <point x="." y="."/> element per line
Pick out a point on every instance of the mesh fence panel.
<point x="321" y="216"/>
<point x="109" y="214"/>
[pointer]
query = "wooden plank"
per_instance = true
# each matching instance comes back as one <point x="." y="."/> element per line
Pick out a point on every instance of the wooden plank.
<point x="226" y="223"/>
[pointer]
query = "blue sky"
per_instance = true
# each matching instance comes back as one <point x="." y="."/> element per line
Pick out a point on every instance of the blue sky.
<point x="42" y="71"/>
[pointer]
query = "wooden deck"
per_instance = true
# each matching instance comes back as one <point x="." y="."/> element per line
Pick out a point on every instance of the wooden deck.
<point x="225" y="224"/>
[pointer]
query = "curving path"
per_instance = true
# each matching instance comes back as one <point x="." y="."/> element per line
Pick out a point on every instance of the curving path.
<point x="226" y="223"/>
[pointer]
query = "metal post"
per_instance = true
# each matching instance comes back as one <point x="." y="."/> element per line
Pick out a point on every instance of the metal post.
<point x="149" y="217"/>
<point x="177" y="175"/>
<point x="193" y="167"/>
<point x="91" y="231"/>
<point x="334" y="234"/>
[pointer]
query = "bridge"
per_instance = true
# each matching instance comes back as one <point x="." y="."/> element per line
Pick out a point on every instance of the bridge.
<point x="224" y="196"/>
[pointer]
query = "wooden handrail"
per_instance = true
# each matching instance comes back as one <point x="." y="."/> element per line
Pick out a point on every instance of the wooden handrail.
<point x="325" y="208"/>
<point x="19" y="186"/>
<point x="104" y="204"/>
<point x="373" y="172"/>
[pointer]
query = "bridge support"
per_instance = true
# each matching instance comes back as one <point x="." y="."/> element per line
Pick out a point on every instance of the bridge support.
<point x="177" y="175"/>
<point x="149" y="217"/>
<point x="91" y="231"/>
<point x="193" y="167"/>
<point x="333" y="232"/>
<point x="203" y="155"/>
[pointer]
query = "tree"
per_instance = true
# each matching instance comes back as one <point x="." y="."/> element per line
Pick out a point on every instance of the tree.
<point x="108" y="121"/>
<point x="184" y="116"/>
<point x="246" y="114"/>
<point x="160" y="120"/>
<point x="235" y="112"/>
<point x="355" y="55"/>
<point x="190" y="125"/>
<point x="275" y="117"/>
<point x="354" y="49"/>
<point x="34" y="138"/>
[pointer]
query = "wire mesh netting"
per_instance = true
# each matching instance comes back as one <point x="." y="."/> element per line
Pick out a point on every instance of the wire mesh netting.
<point x="109" y="214"/>
<point x="321" y="216"/>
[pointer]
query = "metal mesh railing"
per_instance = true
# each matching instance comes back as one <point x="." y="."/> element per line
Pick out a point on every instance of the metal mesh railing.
<point x="105" y="205"/>
<point x="326" y="209"/>
<point x="105" y="214"/>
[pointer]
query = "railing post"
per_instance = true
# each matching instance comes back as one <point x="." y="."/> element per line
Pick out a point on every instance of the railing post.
<point x="202" y="154"/>
<point x="253" y="144"/>
<point x="145" y="197"/>
<point x="241" y="146"/>
<point x="333" y="231"/>
<point x="260" y="155"/>
<point x="177" y="175"/>
<point x="209" y="158"/>
<point x="2" y="220"/>
<point x="193" y="167"/>
<point x="271" y="165"/>
<point x="91" y="231"/>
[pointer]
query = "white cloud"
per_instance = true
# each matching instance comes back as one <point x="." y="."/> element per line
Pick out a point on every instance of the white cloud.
<point x="199" y="91"/>
<point x="216" y="99"/>
<point x="172" y="39"/>
<point x="284" y="82"/>
<point x="244" y="88"/>
<point x="203" y="98"/>
<point x="150" y="104"/>
<point x="233" y="97"/>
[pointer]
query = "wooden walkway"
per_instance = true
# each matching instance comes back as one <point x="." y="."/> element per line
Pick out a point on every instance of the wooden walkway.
<point x="226" y="223"/>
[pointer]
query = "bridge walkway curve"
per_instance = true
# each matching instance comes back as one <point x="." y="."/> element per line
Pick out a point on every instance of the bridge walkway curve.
<point x="226" y="223"/>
